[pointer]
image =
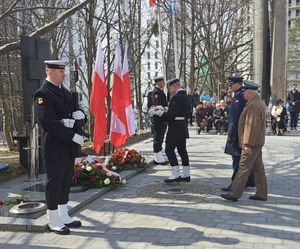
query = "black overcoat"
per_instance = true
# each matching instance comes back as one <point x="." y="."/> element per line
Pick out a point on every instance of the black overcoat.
<point x="52" y="104"/>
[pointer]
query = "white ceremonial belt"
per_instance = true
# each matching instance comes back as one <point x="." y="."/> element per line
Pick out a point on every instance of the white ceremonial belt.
<point x="179" y="118"/>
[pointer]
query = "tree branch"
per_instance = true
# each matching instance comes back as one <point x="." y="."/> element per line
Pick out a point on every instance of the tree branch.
<point x="43" y="30"/>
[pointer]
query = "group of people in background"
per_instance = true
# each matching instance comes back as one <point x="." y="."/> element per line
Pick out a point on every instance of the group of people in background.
<point x="242" y="116"/>
<point x="210" y="114"/>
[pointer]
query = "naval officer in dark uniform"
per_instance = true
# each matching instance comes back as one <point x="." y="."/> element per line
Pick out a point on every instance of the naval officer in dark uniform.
<point x="177" y="118"/>
<point x="232" y="146"/>
<point x="157" y="102"/>
<point x="56" y="115"/>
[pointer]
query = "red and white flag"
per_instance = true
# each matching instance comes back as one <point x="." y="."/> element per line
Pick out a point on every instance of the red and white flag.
<point x="131" y="125"/>
<point x="97" y="100"/>
<point x="118" y="128"/>
<point x="151" y="3"/>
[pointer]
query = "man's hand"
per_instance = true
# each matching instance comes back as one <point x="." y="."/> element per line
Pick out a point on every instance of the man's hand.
<point x="67" y="122"/>
<point x="247" y="150"/>
<point x="78" y="115"/>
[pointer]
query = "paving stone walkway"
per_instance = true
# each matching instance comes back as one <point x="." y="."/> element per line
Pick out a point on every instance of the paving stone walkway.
<point x="125" y="218"/>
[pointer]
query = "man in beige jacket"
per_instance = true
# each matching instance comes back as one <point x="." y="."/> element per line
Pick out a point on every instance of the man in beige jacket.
<point x="251" y="130"/>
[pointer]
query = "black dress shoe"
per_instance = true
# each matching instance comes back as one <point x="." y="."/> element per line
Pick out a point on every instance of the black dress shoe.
<point x="178" y="179"/>
<point x="62" y="231"/>
<point x="228" y="197"/>
<point x="74" y="224"/>
<point x="162" y="163"/>
<point x="185" y="179"/>
<point x="226" y="189"/>
<point x="253" y="197"/>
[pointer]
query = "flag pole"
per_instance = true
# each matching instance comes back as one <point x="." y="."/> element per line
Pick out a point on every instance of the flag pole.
<point x="175" y="42"/>
<point x="161" y="43"/>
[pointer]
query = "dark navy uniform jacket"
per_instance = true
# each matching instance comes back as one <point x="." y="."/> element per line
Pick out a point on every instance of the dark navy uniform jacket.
<point x="235" y="109"/>
<point x="158" y="97"/>
<point x="52" y="104"/>
<point x="177" y="116"/>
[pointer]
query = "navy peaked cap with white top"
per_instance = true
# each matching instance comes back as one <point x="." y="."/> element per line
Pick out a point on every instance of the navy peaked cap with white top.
<point x="56" y="64"/>
<point x="172" y="81"/>
<point x="159" y="78"/>
<point x="235" y="79"/>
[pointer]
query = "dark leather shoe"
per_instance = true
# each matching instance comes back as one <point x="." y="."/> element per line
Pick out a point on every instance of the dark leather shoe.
<point x="228" y="197"/>
<point x="178" y="179"/>
<point x="185" y="179"/>
<point x="253" y="197"/>
<point x="162" y="163"/>
<point x="62" y="231"/>
<point x="226" y="189"/>
<point x="74" y="224"/>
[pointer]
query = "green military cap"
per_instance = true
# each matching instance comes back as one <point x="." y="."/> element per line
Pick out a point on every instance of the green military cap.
<point x="250" y="85"/>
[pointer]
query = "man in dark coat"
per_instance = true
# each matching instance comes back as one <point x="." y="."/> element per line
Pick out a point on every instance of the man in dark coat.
<point x="232" y="144"/>
<point x="56" y="115"/>
<point x="251" y="130"/>
<point x="157" y="102"/>
<point x="293" y="99"/>
<point x="177" y="118"/>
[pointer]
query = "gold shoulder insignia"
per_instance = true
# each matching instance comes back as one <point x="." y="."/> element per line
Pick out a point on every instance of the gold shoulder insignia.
<point x="40" y="101"/>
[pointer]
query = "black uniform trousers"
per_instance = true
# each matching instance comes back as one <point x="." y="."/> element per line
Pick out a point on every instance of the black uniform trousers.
<point x="159" y="130"/>
<point x="294" y="119"/>
<point x="59" y="180"/>
<point x="171" y="145"/>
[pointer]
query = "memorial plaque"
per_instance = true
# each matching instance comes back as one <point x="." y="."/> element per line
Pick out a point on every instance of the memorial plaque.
<point x="36" y="69"/>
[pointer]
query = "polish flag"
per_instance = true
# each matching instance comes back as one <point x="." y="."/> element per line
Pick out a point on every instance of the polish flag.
<point x="118" y="128"/>
<point x="151" y="3"/>
<point x="131" y="125"/>
<point x="97" y="101"/>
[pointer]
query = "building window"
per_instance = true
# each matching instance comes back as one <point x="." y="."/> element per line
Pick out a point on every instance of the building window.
<point x="157" y="44"/>
<point x="149" y="75"/>
<point x="156" y="55"/>
<point x="289" y="24"/>
<point x="289" y="13"/>
<point x="297" y="12"/>
<point x="149" y="55"/>
<point x="297" y="2"/>
<point x="149" y="67"/>
<point x="156" y="65"/>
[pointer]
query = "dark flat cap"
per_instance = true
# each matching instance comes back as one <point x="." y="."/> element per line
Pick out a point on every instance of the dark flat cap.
<point x="172" y="81"/>
<point x="56" y="64"/>
<point x="235" y="79"/>
<point x="250" y="85"/>
<point x="159" y="78"/>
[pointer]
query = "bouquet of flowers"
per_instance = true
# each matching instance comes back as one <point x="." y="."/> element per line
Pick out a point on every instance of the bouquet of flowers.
<point x="126" y="159"/>
<point x="94" y="174"/>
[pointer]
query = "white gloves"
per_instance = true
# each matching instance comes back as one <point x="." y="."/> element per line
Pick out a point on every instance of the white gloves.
<point x="151" y="111"/>
<point x="78" y="139"/>
<point x="157" y="110"/>
<point x="159" y="113"/>
<point x="78" y="115"/>
<point x="67" y="122"/>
